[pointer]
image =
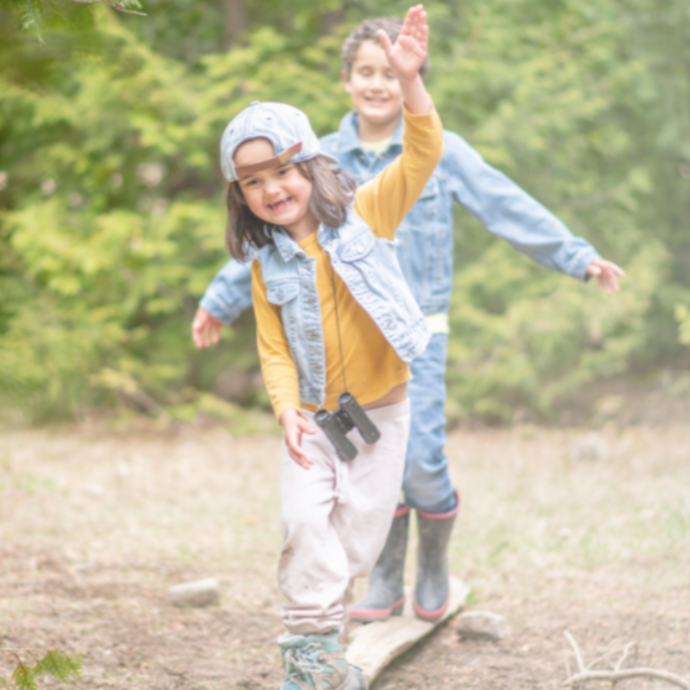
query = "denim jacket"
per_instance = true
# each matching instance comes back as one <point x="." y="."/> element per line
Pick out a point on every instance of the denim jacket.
<point x="368" y="266"/>
<point x="425" y="249"/>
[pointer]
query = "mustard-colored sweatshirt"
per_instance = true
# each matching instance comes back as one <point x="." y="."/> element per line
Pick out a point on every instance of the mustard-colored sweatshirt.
<point x="372" y="366"/>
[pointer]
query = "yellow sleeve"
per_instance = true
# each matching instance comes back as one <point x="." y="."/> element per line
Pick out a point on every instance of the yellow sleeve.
<point x="279" y="371"/>
<point x="385" y="200"/>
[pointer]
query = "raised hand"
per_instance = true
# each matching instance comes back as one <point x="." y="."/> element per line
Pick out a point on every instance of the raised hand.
<point x="409" y="51"/>
<point x="606" y="272"/>
<point x="205" y="328"/>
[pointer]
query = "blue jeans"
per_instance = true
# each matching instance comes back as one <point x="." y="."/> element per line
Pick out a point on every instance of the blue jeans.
<point x="426" y="482"/>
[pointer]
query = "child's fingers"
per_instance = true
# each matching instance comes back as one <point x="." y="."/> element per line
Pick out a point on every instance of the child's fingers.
<point x="614" y="268"/>
<point x="385" y="40"/>
<point x="612" y="282"/>
<point x="414" y="24"/>
<point x="208" y="331"/>
<point x="422" y="37"/>
<point x="198" y="334"/>
<point x="296" y="452"/>
<point x="606" y="273"/>
<point x="305" y="426"/>
<point x="292" y="425"/>
<point x="415" y="15"/>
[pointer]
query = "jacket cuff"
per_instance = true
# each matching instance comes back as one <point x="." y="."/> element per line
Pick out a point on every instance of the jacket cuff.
<point x="578" y="267"/>
<point x="227" y="314"/>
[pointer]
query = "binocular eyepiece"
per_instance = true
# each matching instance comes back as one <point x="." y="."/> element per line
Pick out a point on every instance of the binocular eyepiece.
<point x="348" y="416"/>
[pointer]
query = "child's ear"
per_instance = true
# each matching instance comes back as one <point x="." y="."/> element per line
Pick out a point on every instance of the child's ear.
<point x="346" y="80"/>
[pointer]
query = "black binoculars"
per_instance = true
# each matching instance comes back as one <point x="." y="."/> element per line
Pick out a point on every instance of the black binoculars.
<point x="348" y="416"/>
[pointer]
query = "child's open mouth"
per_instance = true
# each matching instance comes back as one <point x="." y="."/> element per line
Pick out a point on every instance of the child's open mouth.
<point x="376" y="101"/>
<point x="280" y="205"/>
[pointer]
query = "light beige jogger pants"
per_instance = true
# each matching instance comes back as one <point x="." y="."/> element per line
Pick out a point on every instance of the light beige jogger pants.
<point x="336" y="517"/>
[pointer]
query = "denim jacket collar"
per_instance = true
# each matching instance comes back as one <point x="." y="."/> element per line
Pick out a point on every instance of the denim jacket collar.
<point x="288" y="248"/>
<point x="348" y="134"/>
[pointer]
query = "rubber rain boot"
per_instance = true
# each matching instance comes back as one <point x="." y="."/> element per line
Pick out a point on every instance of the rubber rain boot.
<point x="432" y="589"/>
<point x="386" y="596"/>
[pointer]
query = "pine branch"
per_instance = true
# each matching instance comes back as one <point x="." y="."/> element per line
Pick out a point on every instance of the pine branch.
<point x="54" y="663"/>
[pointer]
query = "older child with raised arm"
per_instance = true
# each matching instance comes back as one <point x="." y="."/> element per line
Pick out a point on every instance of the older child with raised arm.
<point x="332" y="310"/>
<point x="368" y="140"/>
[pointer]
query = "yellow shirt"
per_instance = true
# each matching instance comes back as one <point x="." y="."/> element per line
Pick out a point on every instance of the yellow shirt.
<point x="372" y="366"/>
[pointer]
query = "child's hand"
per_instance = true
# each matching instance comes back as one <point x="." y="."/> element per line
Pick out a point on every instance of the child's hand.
<point x="205" y="328"/>
<point x="408" y="53"/>
<point x="294" y="425"/>
<point x="606" y="272"/>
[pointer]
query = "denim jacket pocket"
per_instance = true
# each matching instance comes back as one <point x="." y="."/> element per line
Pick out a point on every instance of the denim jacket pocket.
<point x="280" y="292"/>
<point x="358" y="247"/>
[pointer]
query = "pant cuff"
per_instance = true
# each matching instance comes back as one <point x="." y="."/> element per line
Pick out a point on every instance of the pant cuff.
<point x="442" y="516"/>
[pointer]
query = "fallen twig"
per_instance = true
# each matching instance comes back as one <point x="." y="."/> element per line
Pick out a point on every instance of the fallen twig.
<point x="586" y="674"/>
<point x="624" y="655"/>
<point x="615" y="676"/>
<point x="578" y="657"/>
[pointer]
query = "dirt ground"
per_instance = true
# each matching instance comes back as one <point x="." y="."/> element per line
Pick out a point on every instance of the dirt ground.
<point x="95" y="526"/>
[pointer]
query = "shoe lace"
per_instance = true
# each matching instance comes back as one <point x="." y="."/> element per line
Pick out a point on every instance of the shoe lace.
<point x="303" y="661"/>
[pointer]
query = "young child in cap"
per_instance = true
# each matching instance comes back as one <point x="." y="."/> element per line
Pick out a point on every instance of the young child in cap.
<point x="333" y="312"/>
<point x="369" y="139"/>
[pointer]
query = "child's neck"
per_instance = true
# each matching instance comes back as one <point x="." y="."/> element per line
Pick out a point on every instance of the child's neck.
<point x="371" y="132"/>
<point x="303" y="228"/>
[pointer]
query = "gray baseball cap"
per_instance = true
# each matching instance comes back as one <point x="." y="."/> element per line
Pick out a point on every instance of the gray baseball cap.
<point x="287" y="128"/>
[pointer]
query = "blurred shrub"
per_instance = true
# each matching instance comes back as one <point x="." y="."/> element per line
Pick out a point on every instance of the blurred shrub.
<point x="111" y="211"/>
<point x="683" y="316"/>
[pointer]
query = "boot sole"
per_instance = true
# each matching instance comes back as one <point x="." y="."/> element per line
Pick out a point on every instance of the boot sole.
<point x="370" y="615"/>
<point x="430" y="616"/>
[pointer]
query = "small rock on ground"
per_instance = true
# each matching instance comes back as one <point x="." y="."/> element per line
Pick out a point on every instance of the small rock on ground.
<point x="195" y="594"/>
<point x="589" y="447"/>
<point x="482" y="625"/>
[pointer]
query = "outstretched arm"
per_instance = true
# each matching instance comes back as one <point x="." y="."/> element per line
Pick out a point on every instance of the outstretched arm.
<point x="508" y="211"/>
<point x="228" y="295"/>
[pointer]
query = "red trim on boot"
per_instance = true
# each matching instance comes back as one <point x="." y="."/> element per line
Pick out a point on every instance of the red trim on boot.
<point x="430" y="615"/>
<point x="443" y="516"/>
<point x="401" y="510"/>
<point x="367" y="615"/>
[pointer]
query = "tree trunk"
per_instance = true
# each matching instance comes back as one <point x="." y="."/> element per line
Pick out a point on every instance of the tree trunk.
<point x="330" y="19"/>
<point x="235" y="15"/>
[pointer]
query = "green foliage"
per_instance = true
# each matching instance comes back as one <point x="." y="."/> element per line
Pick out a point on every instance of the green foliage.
<point x="112" y="217"/>
<point x="35" y="16"/>
<point x="55" y="663"/>
<point x="683" y="316"/>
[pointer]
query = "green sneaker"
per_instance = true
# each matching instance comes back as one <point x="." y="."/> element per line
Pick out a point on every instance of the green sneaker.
<point x="317" y="662"/>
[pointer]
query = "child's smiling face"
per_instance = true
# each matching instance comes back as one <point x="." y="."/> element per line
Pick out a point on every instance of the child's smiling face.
<point x="278" y="195"/>
<point x="373" y="86"/>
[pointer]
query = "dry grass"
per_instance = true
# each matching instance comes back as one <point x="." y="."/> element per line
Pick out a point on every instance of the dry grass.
<point x="95" y="526"/>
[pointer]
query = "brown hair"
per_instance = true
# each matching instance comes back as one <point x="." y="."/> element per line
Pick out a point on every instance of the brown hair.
<point x="331" y="195"/>
<point x="366" y="31"/>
